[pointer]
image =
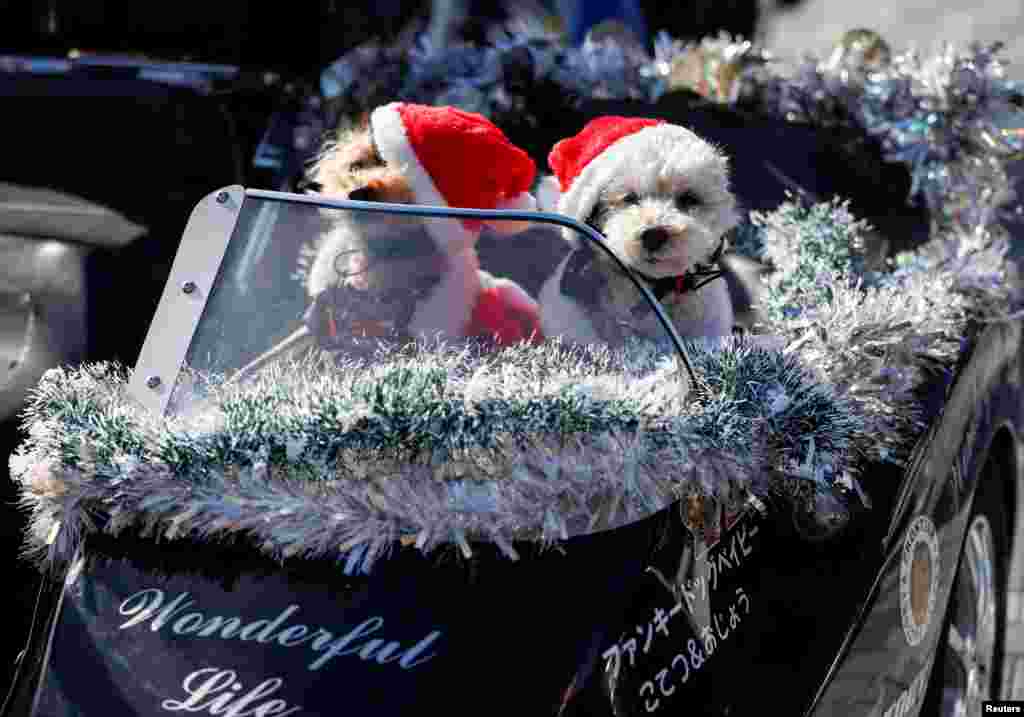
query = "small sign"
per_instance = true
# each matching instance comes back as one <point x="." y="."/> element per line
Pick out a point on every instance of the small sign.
<point x="919" y="578"/>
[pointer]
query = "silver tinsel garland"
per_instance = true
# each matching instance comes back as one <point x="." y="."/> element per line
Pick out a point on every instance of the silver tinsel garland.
<point x="952" y="118"/>
<point x="434" y="445"/>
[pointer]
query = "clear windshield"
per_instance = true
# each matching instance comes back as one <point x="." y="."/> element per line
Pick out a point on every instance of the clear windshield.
<point x="300" y="283"/>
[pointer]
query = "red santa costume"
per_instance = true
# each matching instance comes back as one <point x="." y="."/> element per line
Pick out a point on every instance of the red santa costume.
<point x="460" y="159"/>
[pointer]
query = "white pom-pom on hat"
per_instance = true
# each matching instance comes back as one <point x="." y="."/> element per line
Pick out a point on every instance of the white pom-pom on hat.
<point x="524" y="202"/>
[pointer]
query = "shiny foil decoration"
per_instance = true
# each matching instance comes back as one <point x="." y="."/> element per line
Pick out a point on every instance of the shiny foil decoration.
<point x="952" y="117"/>
<point x="713" y="68"/>
<point x="859" y="52"/>
<point x="1003" y="135"/>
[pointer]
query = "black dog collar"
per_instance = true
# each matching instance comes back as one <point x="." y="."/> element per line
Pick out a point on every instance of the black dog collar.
<point x="692" y="280"/>
<point x="581" y="282"/>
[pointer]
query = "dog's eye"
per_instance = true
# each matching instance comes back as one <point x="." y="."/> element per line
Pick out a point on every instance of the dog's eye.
<point x="687" y="200"/>
<point x="373" y="160"/>
<point x="631" y="198"/>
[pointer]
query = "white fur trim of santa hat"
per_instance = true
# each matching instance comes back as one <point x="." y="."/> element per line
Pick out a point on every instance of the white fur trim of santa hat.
<point x="524" y="202"/>
<point x="392" y="139"/>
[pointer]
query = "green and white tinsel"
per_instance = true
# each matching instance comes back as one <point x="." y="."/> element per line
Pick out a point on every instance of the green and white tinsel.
<point x="439" y="444"/>
<point x="445" y="446"/>
<point x="952" y="117"/>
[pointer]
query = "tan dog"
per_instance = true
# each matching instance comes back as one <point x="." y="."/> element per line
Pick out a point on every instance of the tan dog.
<point x="385" y="275"/>
<point x="660" y="195"/>
<point x="380" y="254"/>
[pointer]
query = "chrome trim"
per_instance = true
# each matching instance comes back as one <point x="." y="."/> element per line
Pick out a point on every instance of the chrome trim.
<point x="203" y="245"/>
<point x="971" y="635"/>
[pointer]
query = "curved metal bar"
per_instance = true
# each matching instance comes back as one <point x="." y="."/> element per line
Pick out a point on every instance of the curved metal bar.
<point x="415" y="210"/>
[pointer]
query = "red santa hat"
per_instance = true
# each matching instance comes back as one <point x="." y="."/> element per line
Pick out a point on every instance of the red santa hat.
<point x="606" y="148"/>
<point x="457" y="159"/>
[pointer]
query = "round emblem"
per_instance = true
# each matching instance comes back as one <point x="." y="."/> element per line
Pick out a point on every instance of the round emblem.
<point x="919" y="578"/>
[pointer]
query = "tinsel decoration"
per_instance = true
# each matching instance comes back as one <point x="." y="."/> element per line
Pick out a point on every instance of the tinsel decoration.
<point x="828" y="384"/>
<point x="715" y="68"/>
<point x="859" y="52"/>
<point x="367" y="76"/>
<point x="447" y="445"/>
<point x="874" y="335"/>
<point x="604" y="68"/>
<point x="429" y="444"/>
<point x="952" y="118"/>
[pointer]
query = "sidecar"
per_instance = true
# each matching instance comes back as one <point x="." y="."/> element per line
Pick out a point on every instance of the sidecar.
<point x="291" y="506"/>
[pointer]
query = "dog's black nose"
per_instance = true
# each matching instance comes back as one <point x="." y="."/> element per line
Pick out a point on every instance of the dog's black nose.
<point x="363" y="194"/>
<point x="654" y="238"/>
